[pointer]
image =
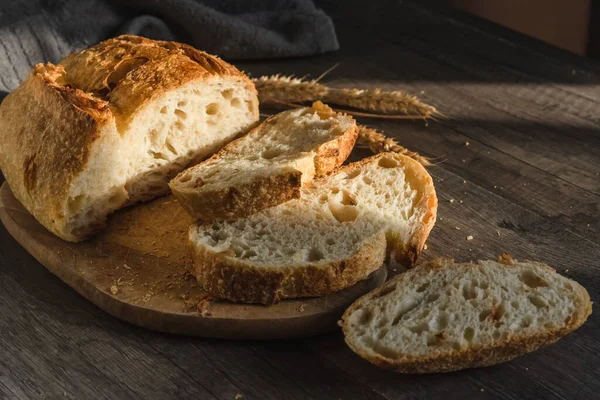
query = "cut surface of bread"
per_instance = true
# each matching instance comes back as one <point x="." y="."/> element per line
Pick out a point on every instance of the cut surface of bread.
<point x="268" y="166"/>
<point x="333" y="236"/>
<point x="442" y="316"/>
<point x="111" y="125"/>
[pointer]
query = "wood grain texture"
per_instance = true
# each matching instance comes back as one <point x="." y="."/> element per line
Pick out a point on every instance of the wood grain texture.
<point x="532" y="125"/>
<point x="137" y="270"/>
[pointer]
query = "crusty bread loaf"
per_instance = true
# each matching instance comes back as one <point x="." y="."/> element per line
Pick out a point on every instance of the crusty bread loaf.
<point x="268" y="166"/>
<point x="333" y="236"/>
<point x="109" y="126"/>
<point x="443" y="316"/>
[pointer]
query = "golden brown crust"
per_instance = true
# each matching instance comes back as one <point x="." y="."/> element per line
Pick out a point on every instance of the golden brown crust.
<point x="228" y="278"/>
<point x="242" y="200"/>
<point x="50" y="122"/>
<point x="453" y="360"/>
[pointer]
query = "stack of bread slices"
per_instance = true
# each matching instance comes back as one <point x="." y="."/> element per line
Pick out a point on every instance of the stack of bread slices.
<point x="278" y="214"/>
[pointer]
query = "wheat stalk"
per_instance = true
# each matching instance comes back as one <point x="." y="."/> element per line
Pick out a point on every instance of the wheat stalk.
<point x="377" y="142"/>
<point x="288" y="89"/>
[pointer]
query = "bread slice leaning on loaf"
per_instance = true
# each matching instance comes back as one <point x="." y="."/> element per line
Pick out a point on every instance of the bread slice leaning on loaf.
<point x="269" y="165"/>
<point x="111" y="125"/>
<point x="334" y="235"/>
<point x="443" y="316"/>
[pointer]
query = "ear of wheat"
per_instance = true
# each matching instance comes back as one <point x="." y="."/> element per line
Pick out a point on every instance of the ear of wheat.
<point x="287" y="89"/>
<point x="377" y="142"/>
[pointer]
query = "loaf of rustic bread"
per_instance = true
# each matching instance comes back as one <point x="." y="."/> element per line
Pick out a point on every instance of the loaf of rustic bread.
<point x="337" y="233"/>
<point x="444" y="316"/>
<point x="269" y="165"/>
<point x="111" y="125"/>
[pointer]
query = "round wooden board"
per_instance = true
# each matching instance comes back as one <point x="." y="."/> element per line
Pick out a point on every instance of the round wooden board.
<point x="136" y="271"/>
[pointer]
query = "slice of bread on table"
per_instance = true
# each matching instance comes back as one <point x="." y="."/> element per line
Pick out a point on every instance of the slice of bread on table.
<point x="269" y="165"/>
<point x="111" y="125"/>
<point x="337" y="233"/>
<point x="444" y="316"/>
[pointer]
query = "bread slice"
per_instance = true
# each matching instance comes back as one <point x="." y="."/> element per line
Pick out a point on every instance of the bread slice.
<point x="333" y="236"/>
<point x="111" y="125"/>
<point x="443" y="316"/>
<point x="268" y="166"/>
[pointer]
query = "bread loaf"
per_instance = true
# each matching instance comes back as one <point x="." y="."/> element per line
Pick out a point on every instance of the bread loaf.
<point x="268" y="166"/>
<point x="443" y="316"/>
<point x="334" y="235"/>
<point x="111" y="125"/>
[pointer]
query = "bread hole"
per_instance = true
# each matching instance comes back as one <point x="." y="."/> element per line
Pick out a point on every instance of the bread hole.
<point x="514" y="304"/>
<point x="179" y="125"/>
<point x="496" y="335"/>
<point x="568" y="286"/>
<point x="386" y="162"/>
<point x="432" y="340"/>
<point x="181" y="103"/>
<point x="484" y="285"/>
<point x="250" y="106"/>
<point x="119" y="198"/>
<point x="424" y="313"/>
<point x="157" y="155"/>
<point x="386" y="290"/>
<point x="365" y="317"/>
<point x="469" y="334"/>
<point x="422" y="288"/>
<point x="271" y="153"/>
<point x="532" y="280"/>
<point x="537" y="301"/>
<point x="469" y="292"/>
<point x="347" y="199"/>
<point x="163" y="110"/>
<point x="76" y="203"/>
<point x="330" y="241"/>
<point x="500" y="311"/>
<point x="212" y="109"/>
<point x="549" y="325"/>
<point x="526" y="322"/>
<point x="382" y="322"/>
<point x="248" y="254"/>
<point x="315" y="255"/>
<point x="474" y="302"/>
<point x="382" y="333"/>
<point x="237" y="103"/>
<point x="432" y="297"/>
<point x="456" y="345"/>
<point x="180" y="113"/>
<point x="367" y="180"/>
<point x="484" y="315"/>
<point x="344" y="213"/>
<point x="443" y="306"/>
<point x="170" y="147"/>
<point x="227" y="94"/>
<point x="420" y="328"/>
<point x="440" y="322"/>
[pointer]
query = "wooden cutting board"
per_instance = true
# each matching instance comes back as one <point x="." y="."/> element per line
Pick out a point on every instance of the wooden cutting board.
<point x="136" y="271"/>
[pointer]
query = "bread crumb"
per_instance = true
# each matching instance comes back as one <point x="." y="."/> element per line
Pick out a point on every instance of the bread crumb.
<point x="467" y="143"/>
<point x="482" y="390"/>
<point x="463" y="160"/>
<point x="425" y="246"/>
<point x="567" y="270"/>
<point x="238" y="396"/>
<point x="457" y="228"/>
<point x="451" y="200"/>
<point x="301" y="308"/>
<point x="464" y="182"/>
<point x="460" y="202"/>
<point x="114" y="289"/>
<point x="495" y="187"/>
<point x="470" y="237"/>
<point x="126" y="266"/>
<point x="340" y="323"/>
<point x="498" y="232"/>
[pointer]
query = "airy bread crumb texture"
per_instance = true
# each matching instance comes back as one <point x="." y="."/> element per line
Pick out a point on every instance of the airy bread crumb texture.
<point x="444" y="316"/>
<point x="333" y="236"/>
<point x="268" y="165"/>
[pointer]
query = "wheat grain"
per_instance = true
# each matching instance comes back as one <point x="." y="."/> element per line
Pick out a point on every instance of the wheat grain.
<point x="377" y="142"/>
<point x="288" y="89"/>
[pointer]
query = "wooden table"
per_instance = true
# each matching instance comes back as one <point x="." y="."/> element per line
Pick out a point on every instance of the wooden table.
<point x="519" y="154"/>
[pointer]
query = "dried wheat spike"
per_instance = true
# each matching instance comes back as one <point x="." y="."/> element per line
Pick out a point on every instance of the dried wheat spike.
<point x="277" y="88"/>
<point x="377" y="142"/>
<point x="381" y="101"/>
<point x="287" y="89"/>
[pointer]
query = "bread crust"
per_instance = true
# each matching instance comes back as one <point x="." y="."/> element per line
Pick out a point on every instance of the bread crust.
<point x="51" y="121"/>
<point x="256" y="195"/>
<point x="228" y="278"/>
<point x="480" y="356"/>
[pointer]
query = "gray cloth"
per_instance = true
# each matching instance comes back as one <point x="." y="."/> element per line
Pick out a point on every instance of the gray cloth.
<point x="33" y="31"/>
